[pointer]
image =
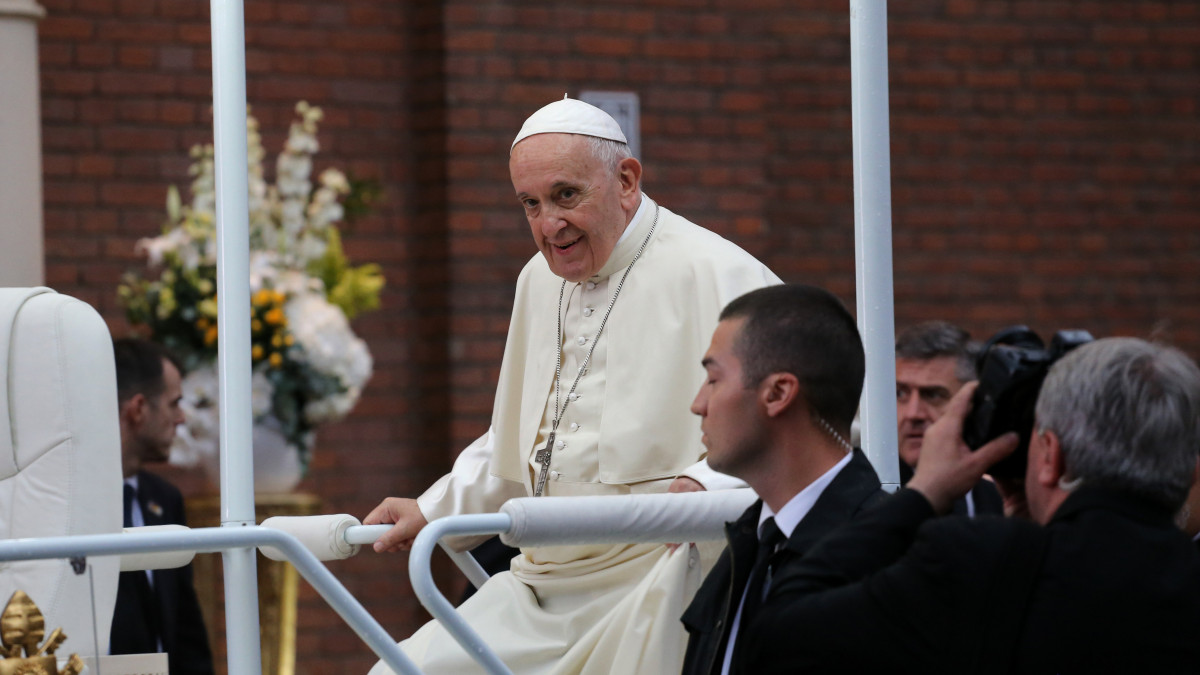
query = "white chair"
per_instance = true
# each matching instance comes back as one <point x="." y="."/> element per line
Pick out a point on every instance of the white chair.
<point x="60" y="456"/>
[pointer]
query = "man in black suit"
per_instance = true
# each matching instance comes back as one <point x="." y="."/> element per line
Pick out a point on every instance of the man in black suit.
<point x="934" y="359"/>
<point x="1101" y="581"/>
<point x="156" y="611"/>
<point x="785" y="371"/>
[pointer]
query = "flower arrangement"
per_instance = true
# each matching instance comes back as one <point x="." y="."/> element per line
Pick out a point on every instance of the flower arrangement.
<point x="308" y="365"/>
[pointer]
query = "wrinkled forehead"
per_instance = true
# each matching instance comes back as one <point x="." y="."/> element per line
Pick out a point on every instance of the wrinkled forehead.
<point x="552" y="157"/>
<point x="940" y="371"/>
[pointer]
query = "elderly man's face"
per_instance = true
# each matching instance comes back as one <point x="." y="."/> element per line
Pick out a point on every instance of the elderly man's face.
<point x="577" y="208"/>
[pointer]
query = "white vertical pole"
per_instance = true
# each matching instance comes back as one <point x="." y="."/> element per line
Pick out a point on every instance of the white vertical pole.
<point x="21" y="231"/>
<point x="873" y="233"/>
<point x="233" y="317"/>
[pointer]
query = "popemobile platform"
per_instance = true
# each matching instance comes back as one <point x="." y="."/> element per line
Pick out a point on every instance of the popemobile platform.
<point x="62" y="545"/>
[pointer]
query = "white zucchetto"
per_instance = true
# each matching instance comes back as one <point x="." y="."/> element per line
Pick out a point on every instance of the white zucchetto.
<point x="571" y="116"/>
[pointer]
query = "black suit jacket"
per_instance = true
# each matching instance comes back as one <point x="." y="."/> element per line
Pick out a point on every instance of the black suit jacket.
<point x="1109" y="585"/>
<point x="708" y="618"/>
<point x="984" y="496"/>
<point x="176" y="612"/>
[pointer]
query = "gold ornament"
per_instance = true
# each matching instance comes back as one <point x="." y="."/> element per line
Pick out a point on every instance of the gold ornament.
<point x="22" y="627"/>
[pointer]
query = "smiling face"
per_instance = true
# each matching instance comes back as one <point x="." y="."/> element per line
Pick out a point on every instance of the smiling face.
<point x="729" y="410"/>
<point x="923" y="388"/>
<point x="577" y="208"/>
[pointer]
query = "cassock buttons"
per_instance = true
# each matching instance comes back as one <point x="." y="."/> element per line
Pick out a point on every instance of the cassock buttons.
<point x="572" y="396"/>
<point x="581" y="340"/>
<point x="591" y="285"/>
<point x="587" y="311"/>
<point x="560" y="444"/>
<point x="574" y="426"/>
<point x="554" y="475"/>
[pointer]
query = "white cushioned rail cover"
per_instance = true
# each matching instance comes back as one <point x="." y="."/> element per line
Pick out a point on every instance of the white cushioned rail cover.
<point x="666" y="518"/>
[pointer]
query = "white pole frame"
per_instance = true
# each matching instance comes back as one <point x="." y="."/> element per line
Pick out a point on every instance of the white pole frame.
<point x="873" y="234"/>
<point x="873" y="243"/>
<point x="233" y="317"/>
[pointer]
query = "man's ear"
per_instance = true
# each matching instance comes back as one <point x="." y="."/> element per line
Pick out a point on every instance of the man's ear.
<point x="779" y="392"/>
<point x="133" y="410"/>
<point x="1050" y="464"/>
<point x="629" y="174"/>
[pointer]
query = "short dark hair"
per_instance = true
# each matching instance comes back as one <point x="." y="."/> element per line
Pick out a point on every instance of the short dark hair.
<point x="805" y="331"/>
<point x="140" y="367"/>
<point x="935" y="339"/>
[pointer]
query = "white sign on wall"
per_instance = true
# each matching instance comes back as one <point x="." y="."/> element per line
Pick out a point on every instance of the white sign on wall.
<point x="623" y="106"/>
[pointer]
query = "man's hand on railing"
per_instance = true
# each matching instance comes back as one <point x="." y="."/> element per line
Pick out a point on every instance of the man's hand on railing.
<point x="408" y="521"/>
<point x="683" y="484"/>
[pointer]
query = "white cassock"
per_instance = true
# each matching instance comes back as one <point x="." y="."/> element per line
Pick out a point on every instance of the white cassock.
<point x="596" y="609"/>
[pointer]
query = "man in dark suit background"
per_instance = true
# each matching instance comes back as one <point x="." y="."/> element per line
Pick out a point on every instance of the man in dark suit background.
<point x="1101" y="580"/>
<point x="785" y="371"/>
<point x="156" y="610"/>
<point x="934" y="359"/>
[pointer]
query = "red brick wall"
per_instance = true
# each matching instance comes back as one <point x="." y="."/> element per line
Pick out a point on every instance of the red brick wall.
<point x="1044" y="169"/>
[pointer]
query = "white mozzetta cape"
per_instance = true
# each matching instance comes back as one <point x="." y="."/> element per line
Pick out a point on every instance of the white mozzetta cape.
<point x="596" y="610"/>
<point x="635" y="398"/>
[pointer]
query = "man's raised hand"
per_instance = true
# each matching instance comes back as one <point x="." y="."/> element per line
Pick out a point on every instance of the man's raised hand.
<point x="948" y="468"/>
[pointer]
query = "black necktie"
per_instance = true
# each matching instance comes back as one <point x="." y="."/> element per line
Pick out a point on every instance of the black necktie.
<point x="768" y="541"/>
<point x="129" y="495"/>
<point x="141" y="586"/>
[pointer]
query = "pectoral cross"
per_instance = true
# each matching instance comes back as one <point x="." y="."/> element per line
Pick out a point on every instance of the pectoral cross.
<point x="543" y="457"/>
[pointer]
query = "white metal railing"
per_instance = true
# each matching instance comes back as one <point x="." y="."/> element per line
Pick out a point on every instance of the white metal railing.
<point x="305" y="541"/>
<point x="222" y="539"/>
<point x="535" y="521"/>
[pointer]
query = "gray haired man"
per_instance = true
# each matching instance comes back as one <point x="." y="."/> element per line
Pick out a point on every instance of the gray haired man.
<point x="1101" y="581"/>
<point x="609" y="321"/>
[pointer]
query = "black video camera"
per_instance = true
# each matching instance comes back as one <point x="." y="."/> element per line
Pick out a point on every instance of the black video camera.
<point x="1011" y="368"/>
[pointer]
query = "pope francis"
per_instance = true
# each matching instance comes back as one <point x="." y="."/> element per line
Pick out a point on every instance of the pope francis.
<point x="603" y="355"/>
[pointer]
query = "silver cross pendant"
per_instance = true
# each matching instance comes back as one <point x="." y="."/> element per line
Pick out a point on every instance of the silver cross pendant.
<point x="543" y="457"/>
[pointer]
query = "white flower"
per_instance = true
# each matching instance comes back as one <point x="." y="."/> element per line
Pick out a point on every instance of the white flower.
<point x="291" y="217"/>
<point x="260" y="394"/>
<point x="197" y="438"/>
<point x="175" y="240"/>
<point x="311" y="247"/>
<point x="330" y="347"/>
<point x="262" y="269"/>
<point x="289" y="229"/>
<point x="335" y="180"/>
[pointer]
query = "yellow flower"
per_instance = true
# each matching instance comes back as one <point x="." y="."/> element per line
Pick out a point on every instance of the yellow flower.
<point x="202" y="323"/>
<point x="275" y="360"/>
<point x="277" y="340"/>
<point x="256" y="352"/>
<point x="289" y="340"/>
<point x="274" y="317"/>
<point x="210" y="336"/>
<point x="277" y="297"/>
<point x="262" y="297"/>
<point x="255" y="325"/>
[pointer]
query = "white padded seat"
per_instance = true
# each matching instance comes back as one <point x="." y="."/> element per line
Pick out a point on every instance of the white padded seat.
<point x="60" y="456"/>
